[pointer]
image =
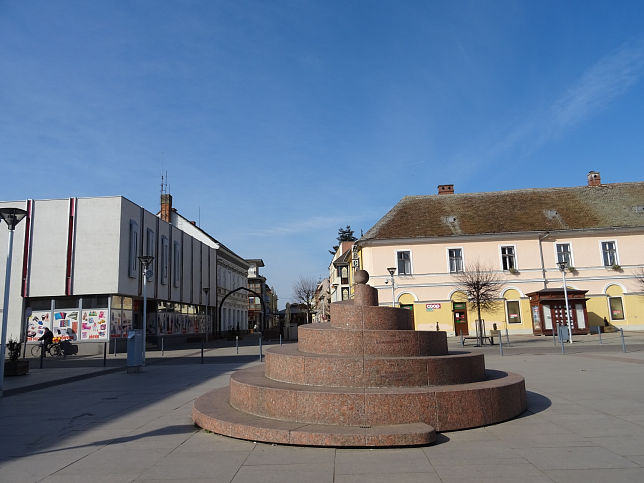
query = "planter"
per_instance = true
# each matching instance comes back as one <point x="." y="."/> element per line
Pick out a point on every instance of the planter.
<point x="16" y="368"/>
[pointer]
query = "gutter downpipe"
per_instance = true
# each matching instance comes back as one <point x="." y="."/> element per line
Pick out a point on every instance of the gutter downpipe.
<point x="542" y="237"/>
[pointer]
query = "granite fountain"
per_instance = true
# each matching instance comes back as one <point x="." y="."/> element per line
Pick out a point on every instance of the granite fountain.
<point x="366" y="379"/>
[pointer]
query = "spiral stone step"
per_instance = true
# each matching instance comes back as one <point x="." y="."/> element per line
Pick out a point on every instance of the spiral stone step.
<point x="288" y="364"/>
<point x="213" y="412"/>
<point x="326" y="339"/>
<point x="499" y="397"/>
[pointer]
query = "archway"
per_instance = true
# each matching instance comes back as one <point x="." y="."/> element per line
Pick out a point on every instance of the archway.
<point x="221" y="305"/>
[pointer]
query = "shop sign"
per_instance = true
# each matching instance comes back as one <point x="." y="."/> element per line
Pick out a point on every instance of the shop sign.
<point x="432" y="307"/>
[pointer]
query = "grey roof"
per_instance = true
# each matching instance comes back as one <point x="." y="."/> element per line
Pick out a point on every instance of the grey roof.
<point x="616" y="205"/>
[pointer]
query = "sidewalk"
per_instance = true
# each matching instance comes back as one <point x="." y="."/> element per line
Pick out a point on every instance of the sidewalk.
<point x="74" y="368"/>
<point x="585" y="423"/>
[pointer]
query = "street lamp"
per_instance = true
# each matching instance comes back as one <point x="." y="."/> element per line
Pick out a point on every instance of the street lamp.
<point x="12" y="217"/>
<point x="205" y="291"/>
<point x="145" y="260"/>
<point x="563" y="265"/>
<point x="391" y="271"/>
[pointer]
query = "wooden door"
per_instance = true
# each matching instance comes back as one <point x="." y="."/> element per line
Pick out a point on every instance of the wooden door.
<point x="460" y="319"/>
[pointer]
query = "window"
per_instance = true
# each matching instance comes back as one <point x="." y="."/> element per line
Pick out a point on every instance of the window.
<point x="507" y="258"/>
<point x="616" y="308"/>
<point x="609" y="253"/>
<point x="133" y="261"/>
<point x="404" y="263"/>
<point x="149" y="248"/>
<point x="164" y="260"/>
<point x="176" y="263"/>
<point x="344" y="274"/>
<point x="564" y="254"/>
<point x="513" y="311"/>
<point x="455" y="260"/>
<point x="345" y="294"/>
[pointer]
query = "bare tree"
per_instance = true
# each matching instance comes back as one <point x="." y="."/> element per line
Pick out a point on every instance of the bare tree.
<point x="481" y="286"/>
<point x="304" y="292"/>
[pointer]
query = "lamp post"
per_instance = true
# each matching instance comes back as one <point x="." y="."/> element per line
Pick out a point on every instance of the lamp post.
<point x="391" y="271"/>
<point x="12" y="217"/>
<point x="145" y="260"/>
<point x="205" y="291"/>
<point x="562" y="266"/>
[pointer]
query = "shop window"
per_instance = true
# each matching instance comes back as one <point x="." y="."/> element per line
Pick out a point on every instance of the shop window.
<point x="507" y="258"/>
<point x="67" y="303"/>
<point x="513" y="311"/>
<point x="609" y="253"/>
<point x="455" y="260"/>
<point x="404" y="262"/>
<point x="564" y="254"/>
<point x="39" y="304"/>
<point x="616" y="308"/>
<point x="133" y="261"/>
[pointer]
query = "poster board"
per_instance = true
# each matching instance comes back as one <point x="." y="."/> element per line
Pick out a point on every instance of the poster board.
<point x="65" y="325"/>
<point x="94" y="324"/>
<point x="36" y="324"/>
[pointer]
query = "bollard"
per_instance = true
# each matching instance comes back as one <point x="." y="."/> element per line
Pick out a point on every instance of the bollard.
<point x="501" y="344"/>
<point x="42" y="354"/>
<point x="554" y="340"/>
<point x="202" y="349"/>
<point x="115" y="341"/>
<point x="104" y="354"/>
<point x="462" y="340"/>
<point x="280" y="339"/>
<point x="599" y="331"/>
<point x="563" y="351"/>
<point x="162" y="347"/>
<point x="621" y="332"/>
<point x="507" y="336"/>
<point x="237" y="343"/>
<point x="260" y="347"/>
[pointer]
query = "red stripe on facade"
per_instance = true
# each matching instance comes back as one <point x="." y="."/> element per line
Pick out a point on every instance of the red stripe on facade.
<point x="70" y="246"/>
<point x="26" y="250"/>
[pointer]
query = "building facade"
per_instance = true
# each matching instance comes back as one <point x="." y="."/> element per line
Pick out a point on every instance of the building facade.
<point x="76" y="270"/>
<point x="231" y="273"/>
<point x="520" y="236"/>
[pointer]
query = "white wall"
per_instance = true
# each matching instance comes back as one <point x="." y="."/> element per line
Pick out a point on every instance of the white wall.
<point x="96" y="254"/>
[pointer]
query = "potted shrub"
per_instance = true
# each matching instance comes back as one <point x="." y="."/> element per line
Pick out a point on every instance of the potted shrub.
<point x="616" y="267"/>
<point x="514" y="271"/>
<point x="15" y="366"/>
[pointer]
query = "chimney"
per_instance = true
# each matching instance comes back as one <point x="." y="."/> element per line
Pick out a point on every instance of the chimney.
<point x="166" y="207"/>
<point x="594" y="179"/>
<point x="445" y="189"/>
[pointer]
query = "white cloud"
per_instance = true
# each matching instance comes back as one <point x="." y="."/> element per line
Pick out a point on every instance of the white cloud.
<point x="603" y="82"/>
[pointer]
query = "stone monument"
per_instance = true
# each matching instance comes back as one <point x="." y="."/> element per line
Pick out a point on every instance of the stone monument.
<point x="366" y="379"/>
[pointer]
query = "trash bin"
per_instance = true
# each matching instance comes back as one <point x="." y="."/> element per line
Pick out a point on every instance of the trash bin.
<point x="135" y="348"/>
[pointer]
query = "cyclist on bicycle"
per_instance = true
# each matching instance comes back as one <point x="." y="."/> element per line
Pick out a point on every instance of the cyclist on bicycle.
<point x="47" y="340"/>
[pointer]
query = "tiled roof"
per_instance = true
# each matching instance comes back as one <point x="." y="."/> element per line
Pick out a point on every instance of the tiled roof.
<point x="527" y="210"/>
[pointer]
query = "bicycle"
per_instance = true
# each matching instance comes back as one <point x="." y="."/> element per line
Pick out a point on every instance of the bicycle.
<point x="55" y="350"/>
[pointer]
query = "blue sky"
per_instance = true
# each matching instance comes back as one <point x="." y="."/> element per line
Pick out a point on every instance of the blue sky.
<point x="280" y="121"/>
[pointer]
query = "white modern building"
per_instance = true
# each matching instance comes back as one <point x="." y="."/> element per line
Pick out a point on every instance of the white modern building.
<point x="75" y="269"/>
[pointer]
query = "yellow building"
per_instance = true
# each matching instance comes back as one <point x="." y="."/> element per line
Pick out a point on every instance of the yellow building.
<point x="521" y="236"/>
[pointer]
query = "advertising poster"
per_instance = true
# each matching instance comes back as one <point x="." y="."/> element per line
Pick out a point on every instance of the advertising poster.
<point x="94" y="324"/>
<point x="126" y="322"/>
<point x="115" y="323"/>
<point x="36" y="324"/>
<point x="151" y="326"/>
<point x="65" y="325"/>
